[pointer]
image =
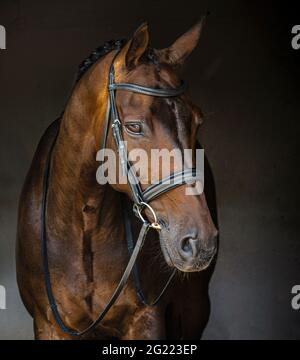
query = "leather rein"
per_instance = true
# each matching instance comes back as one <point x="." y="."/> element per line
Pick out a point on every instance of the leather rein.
<point x="141" y="200"/>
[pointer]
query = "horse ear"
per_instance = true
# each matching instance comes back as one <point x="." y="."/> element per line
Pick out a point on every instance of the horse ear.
<point x="178" y="52"/>
<point x="135" y="48"/>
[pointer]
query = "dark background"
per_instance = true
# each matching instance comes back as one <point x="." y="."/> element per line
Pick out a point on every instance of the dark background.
<point x="245" y="76"/>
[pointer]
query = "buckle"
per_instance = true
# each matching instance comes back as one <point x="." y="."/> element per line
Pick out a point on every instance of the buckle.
<point x="116" y="122"/>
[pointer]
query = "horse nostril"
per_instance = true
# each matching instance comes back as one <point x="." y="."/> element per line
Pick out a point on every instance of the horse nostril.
<point x="188" y="247"/>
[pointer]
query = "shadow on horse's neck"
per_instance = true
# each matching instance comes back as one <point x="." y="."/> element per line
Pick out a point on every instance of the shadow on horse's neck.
<point x="74" y="194"/>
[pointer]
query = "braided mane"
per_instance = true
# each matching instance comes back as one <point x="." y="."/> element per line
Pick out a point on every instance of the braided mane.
<point x="104" y="49"/>
<point x="98" y="53"/>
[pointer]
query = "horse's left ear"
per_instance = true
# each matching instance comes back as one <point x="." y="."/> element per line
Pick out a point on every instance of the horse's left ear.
<point x="178" y="52"/>
<point x="132" y="52"/>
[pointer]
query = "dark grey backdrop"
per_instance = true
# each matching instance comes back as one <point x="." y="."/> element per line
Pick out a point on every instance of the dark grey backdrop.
<point x="244" y="75"/>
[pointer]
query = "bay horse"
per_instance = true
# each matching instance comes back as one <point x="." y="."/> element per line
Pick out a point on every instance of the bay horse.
<point x="76" y="227"/>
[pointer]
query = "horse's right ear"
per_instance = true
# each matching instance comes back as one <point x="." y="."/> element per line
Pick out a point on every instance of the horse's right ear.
<point x="132" y="52"/>
<point x="178" y="52"/>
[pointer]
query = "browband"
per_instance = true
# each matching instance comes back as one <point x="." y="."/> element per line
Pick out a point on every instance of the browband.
<point x="170" y="92"/>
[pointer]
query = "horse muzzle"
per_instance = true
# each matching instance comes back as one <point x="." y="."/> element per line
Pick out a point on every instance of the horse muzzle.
<point x="188" y="254"/>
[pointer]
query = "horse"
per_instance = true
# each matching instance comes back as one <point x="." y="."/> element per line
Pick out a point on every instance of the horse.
<point x="81" y="222"/>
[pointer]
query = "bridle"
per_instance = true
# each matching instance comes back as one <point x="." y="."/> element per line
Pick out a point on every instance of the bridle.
<point x="141" y="200"/>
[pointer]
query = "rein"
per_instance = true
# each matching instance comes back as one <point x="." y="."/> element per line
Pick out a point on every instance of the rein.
<point x="141" y="200"/>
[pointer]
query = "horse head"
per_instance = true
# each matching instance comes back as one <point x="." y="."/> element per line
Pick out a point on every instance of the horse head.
<point x="187" y="232"/>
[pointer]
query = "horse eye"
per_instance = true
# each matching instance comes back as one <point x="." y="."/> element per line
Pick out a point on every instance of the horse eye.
<point x="134" y="127"/>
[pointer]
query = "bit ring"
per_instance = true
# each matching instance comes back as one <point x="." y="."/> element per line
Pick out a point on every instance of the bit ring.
<point x="155" y="225"/>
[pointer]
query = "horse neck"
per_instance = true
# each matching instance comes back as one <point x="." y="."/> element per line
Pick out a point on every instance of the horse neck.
<point x="75" y="197"/>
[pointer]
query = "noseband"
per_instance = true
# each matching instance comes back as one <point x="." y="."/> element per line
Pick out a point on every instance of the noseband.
<point x="141" y="200"/>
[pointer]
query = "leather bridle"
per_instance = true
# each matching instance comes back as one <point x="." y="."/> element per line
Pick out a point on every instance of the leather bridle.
<point x="141" y="200"/>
